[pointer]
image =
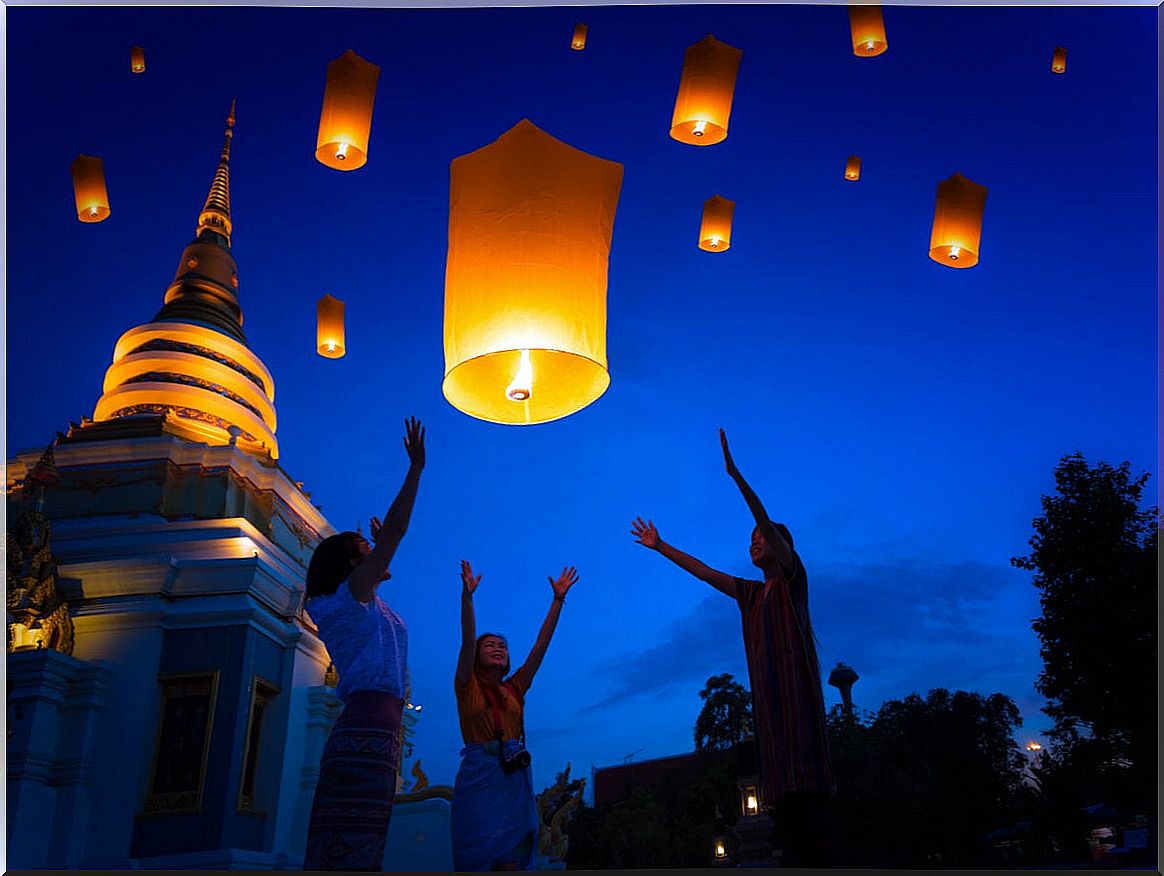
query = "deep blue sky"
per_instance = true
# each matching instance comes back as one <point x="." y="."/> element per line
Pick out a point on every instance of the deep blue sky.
<point x="902" y="417"/>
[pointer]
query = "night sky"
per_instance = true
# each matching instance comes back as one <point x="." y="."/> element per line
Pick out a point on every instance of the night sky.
<point x="901" y="417"/>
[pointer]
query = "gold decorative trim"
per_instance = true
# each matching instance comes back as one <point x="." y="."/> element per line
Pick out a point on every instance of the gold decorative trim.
<point x="444" y="792"/>
<point x="262" y="692"/>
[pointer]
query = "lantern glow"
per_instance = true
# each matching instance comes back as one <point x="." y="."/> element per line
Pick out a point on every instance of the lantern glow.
<point x="530" y="225"/>
<point x="957" y="228"/>
<point x="853" y="167"/>
<point x="715" y="231"/>
<point x="578" y="42"/>
<point x="1034" y="746"/>
<point x="868" y="31"/>
<point x="89" y="192"/>
<point x="329" y="327"/>
<point x="137" y="59"/>
<point x="1059" y="60"/>
<point x="706" y="88"/>
<point x="346" y="118"/>
<point x="749" y="798"/>
<point x="720" y="849"/>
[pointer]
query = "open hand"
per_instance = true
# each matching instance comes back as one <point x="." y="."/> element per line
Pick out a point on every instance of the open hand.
<point x="645" y="533"/>
<point x="375" y="527"/>
<point x="728" y="462"/>
<point x="566" y="580"/>
<point x="414" y="442"/>
<point x="468" y="582"/>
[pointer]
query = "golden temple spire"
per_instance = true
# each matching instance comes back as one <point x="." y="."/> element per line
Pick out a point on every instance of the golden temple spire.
<point x="215" y="215"/>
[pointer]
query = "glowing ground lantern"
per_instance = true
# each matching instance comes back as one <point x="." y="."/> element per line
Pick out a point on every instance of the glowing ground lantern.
<point x="578" y="42"/>
<point x="89" y="188"/>
<point x="957" y="228"/>
<point x="137" y="59"/>
<point x="1059" y="60"/>
<point x="530" y="224"/>
<point x="868" y="29"/>
<point x="853" y="167"/>
<point x="706" y="88"/>
<point x="329" y="327"/>
<point x="715" y="231"/>
<point x="346" y="119"/>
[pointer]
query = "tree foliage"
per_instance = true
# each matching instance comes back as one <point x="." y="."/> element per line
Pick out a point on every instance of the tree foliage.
<point x="1093" y="554"/>
<point x="726" y="716"/>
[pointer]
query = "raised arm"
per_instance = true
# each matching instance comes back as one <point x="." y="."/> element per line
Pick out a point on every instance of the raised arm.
<point x="564" y="582"/>
<point x="646" y="535"/>
<point x="387" y="536"/>
<point x="468" y="624"/>
<point x="771" y="533"/>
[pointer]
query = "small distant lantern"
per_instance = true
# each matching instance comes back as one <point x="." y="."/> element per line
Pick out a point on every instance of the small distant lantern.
<point x="1059" y="60"/>
<point x="346" y="119"/>
<point x="853" y="167"/>
<point x="957" y="228"/>
<point x="137" y="59"/>
<point x="868" y="30"/>
<point x="719" y="848"/>
<point x="329" y="327"/>
<point x="706" y="88"/>
<point x="89" y="188"/>
<point x="715" y="231"/>
<point x="578" y="43"/>
<point x="750" y="803"/>
<point x="530" y="225"/>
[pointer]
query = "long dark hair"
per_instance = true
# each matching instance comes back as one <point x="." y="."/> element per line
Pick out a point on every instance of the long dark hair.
<point x="332" y="563"/>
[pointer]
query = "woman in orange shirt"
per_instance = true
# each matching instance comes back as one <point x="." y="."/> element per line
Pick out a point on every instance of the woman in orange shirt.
<point x="494" y="818"/>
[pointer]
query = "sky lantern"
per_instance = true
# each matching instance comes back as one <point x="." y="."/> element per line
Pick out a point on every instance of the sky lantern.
<point x="137" y="59"/>
<point x="89" y="188"/>
<point x="957" y="225"/>
<point x="868" y="29"/>
<point x="715" y="231"/>
<point x="706" y="88"/>
<point x="578" y="43"/>
<point x="1059" y="60"/>
<point x="853" y="167"/>
<point x="346" y="119"/>
<point x="329" y="327"/>
<point x="530" y="225"/>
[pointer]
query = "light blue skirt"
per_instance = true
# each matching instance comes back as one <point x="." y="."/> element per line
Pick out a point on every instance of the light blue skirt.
<point x="492" y="812"/>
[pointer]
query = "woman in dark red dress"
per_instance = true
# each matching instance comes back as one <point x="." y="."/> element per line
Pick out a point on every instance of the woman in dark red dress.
<point x="787" y="700"/>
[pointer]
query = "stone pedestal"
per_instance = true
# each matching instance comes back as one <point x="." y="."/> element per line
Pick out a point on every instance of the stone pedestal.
<point x="755" y="842"/>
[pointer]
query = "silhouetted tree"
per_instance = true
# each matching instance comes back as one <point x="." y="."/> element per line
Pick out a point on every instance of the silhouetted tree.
<point x="726" y="716"/>
<point x="1093" y="553"/>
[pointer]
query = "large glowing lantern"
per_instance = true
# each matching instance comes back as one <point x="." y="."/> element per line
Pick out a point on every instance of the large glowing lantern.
<point x="715" y="231"/>
<point x="346" y="119"/>
<point x="578" y="42"/>
<point x="329" y="327"/>
<point x="868" y="30"/>
<point x="706" y="88"/>
<point x="89" y="188"/>
<point x="957" y="227"/>
<point x="137" y="59"/>
<point x="530" y="224"/>
<point x="853" y="167"/>
<point x="1059" y="60"/>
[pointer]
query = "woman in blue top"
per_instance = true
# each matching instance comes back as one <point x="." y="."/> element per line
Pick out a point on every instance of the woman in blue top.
<point x="368" y="643"/>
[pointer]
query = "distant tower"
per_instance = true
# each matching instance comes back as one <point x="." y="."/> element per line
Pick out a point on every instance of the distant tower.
<point x="843" y="677"/>
<point x="184" y="729"/>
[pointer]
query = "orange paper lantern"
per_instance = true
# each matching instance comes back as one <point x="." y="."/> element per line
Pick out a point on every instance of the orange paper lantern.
<point x="346" y="119"/>
<point x="137" y="59"/>
<point x="530" y="224"/>
<point x="715" y="231"/>
<point x="578" y="43"/>
<point x="89" y="189"/>
<point x="706" y="88"/>
<point x="329" y="327"/>
<point x="957" y="229"/>
<point x="853" y="167"/>
<point x="868" y="30"/>
<point x="1059" y="60"/>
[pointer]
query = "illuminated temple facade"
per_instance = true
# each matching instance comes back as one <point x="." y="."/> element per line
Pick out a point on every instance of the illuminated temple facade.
<point x="168" y="698"/>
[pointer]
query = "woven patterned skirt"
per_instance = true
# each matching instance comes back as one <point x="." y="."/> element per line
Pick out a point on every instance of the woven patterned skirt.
<point x="357" y="783"/>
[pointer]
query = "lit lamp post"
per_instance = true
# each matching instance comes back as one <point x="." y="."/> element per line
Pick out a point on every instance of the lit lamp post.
<point x="720" y="857"/>
<point x="753" y="828"/>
